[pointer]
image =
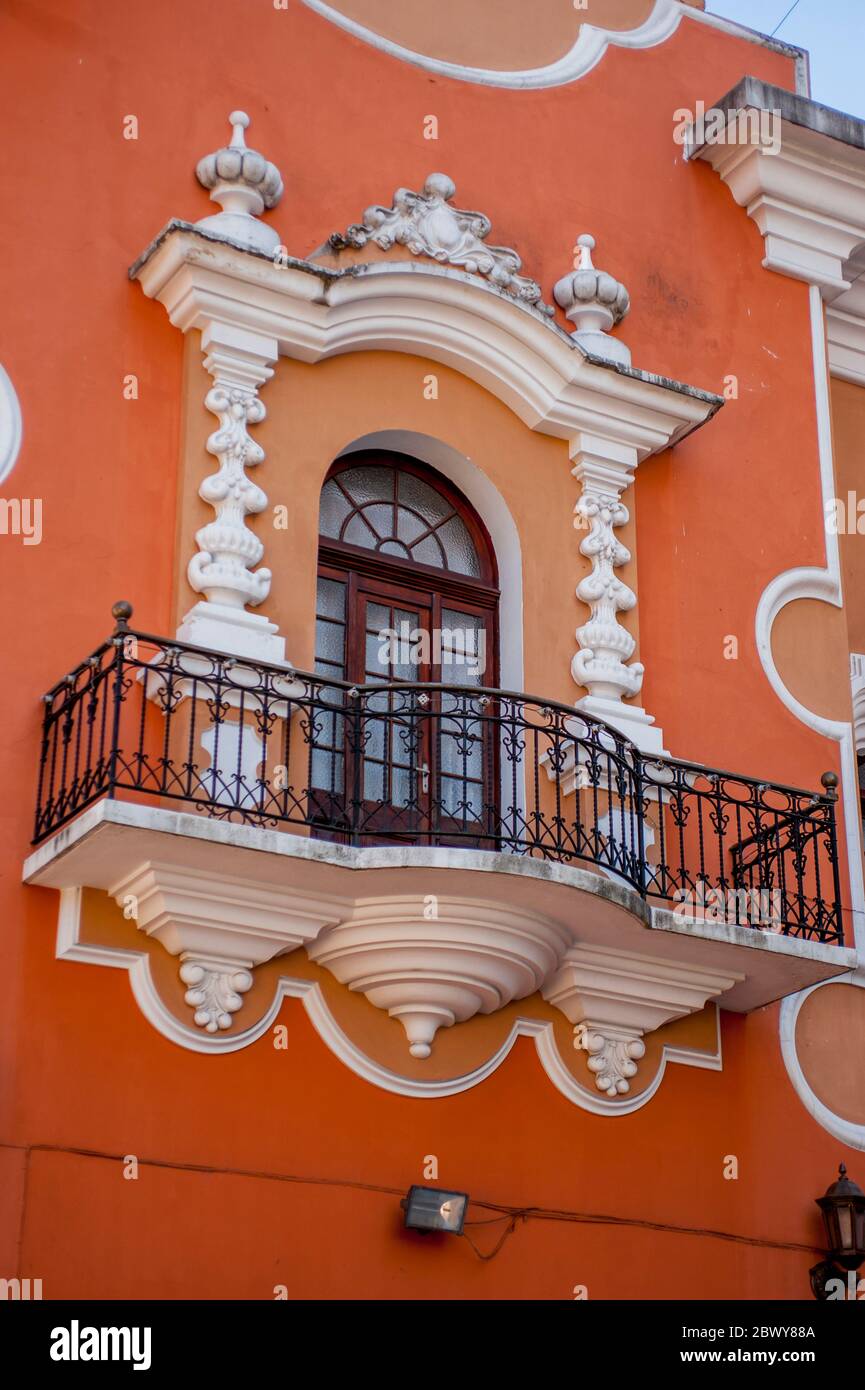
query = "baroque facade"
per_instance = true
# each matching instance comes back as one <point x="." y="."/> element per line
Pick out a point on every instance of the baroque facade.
<point x="464" y="789"/>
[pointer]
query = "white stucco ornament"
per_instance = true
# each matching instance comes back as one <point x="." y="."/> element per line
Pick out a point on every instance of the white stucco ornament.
<point x="10" y="425"/>
<point x="428" y="225"/>
<point x="595" y="302"/>
<point x="244" y="183"/>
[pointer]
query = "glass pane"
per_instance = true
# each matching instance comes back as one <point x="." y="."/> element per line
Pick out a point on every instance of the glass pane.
<point x="331" y="598"/>
<point x="418" y="495"/>
<point x="373" y="781"/>
<point x="459" y="547"/>
<point x="334" y="510"/>
<point x="463" y="648"/>
<point x="400" y="786"/>
<point x="327" y="771"/>
<point x="395" y="548"/>
<point x="461" y="800"/>
<point x="358" y="533"/>
<point x="380" y="518"/>
<point x="368" y="483"/>
<point x="329" y="640"/>
<point x="428" y="552"/>
<point x="409" y="526"/>
<point x="379" y="648"/>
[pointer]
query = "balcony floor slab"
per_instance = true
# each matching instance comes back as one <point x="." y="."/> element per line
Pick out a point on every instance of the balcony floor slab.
<point x="112" y="838"/>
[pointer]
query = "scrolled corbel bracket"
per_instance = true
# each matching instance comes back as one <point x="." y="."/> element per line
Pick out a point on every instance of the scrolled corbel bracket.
<point x="221" y="928"/>
<point x="614" y="998"/>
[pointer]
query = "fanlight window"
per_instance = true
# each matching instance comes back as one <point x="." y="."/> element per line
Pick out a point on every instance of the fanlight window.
<point x="393" y="512"/>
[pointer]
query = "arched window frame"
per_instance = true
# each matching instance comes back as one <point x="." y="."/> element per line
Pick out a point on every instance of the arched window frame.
<point x="374" y="562"/>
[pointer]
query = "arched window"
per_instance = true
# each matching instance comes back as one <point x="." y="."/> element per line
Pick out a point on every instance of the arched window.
<point x="407" y="591"/>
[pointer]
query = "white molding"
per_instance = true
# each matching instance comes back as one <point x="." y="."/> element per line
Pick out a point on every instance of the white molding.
<point x="590" y="46"/>
<point x="808" y="200"/>
<point x="588" y="50"/>
<point x="10" y="425"/>
<point x="520" y="356"/>
<point x="823" y="584"/>
<point x="857" y="690"/>
<point x="845" y="1130"/>
<point x="70" y="948"/>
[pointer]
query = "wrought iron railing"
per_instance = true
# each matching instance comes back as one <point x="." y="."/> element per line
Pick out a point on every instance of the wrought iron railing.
<point x="446" y="765"/>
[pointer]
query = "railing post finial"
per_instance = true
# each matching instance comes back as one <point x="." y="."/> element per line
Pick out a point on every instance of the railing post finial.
<point x="829" y="781"/>
<point x="121" y="612"/>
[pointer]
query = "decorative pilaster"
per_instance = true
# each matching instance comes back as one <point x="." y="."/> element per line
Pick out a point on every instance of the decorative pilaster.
<point x="605" y="469"/>
<point x="605" y="646"/>
<point x="239" y="362"/>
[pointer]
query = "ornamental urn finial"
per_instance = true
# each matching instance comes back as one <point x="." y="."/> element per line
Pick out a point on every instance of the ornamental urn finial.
<point x="244" y="183"/>
<point x="595" y="302"/>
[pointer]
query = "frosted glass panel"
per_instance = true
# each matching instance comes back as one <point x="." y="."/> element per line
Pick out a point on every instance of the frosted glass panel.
<point x="409" y="525"/>
<point x="368" y="484"/>
<point x="335" y="507"/>
<point x="459" y="550"/>
<point x="358" y="533"/>
<point x="428" y="552"/>
<point x="415" y="493"/>
<point x="331" y="598"/>
<point x="358" y="507"/>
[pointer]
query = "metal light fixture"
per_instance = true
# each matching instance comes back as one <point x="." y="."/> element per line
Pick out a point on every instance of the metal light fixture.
<point x="432" y="1209"/>
<point x="843" y="1208"/>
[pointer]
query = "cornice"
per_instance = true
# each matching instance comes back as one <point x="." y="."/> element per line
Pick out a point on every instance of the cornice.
<point x="805" y="189"/>
<point x="313" y="312"/>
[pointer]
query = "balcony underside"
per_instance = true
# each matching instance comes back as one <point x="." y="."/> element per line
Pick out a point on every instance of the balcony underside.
<point x="247" y="894"/>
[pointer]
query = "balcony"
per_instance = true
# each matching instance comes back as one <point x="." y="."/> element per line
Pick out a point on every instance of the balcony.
<point x="233" y="803"/>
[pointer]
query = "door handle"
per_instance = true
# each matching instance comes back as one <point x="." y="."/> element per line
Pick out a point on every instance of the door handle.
<point x="424" y="777"/>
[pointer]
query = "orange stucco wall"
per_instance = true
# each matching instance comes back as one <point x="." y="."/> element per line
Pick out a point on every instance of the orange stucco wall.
<point x="234" y="1150"/>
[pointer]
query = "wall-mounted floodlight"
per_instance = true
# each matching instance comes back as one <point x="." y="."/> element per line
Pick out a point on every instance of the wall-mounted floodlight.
<point x="432" y="1209"/>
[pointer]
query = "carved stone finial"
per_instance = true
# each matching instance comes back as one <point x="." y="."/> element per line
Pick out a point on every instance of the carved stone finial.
<point x="244" y="183"/>
<point x="428" y="225"/>
<point x="595" y="302"/>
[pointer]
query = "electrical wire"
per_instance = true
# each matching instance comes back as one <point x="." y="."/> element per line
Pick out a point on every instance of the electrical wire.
<point x="513" y="1215"/>
<point x="781" y="21"/>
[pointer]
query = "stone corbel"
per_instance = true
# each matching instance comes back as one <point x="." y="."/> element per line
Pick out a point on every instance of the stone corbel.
<point x="614" y="998"/>
<point x="220" y="927"/>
